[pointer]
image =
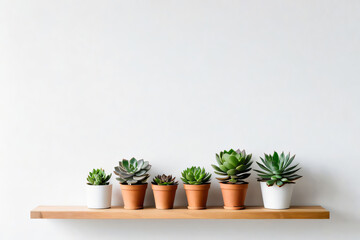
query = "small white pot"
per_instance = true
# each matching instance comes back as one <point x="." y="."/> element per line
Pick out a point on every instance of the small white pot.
<point x="99" y="196"/>
<point x="275" y="197"/>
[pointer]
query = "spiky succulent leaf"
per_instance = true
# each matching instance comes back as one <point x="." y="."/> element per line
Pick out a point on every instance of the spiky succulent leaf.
<point x="233" y="164"/>
<point x="132" y="171"/>
<point x="98" y="177"/>
<point x="195" y="176"/>
<point x="276" y="169"/>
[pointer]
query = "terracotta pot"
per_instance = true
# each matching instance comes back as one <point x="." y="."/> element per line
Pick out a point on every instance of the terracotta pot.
<point x="133" y="195"/>
<point x="234" y="195"/>
<point x="164" y="196"/>
<point x="196" y="195"/>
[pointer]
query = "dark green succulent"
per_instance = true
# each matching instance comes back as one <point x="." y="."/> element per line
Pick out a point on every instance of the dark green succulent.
<point x="233" y="166"/>
<point x="164" y="180"/>
<point x="277" y="169"/>
<point x="133" y="171"/>
<point x="195" y="176"/>
<point x="98" y="177"/>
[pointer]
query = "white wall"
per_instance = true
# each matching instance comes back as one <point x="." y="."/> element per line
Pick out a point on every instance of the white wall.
<point x="87" y="83"/>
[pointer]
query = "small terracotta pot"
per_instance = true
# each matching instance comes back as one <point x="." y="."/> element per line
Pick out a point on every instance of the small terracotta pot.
<point x="234" y="195"/>
<point x="133" y="195"/>
<point x="164" y="196"/>
<point x="197" y="195"/>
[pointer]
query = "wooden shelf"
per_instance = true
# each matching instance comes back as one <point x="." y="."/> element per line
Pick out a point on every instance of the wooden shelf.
<point x="82" y="212"/>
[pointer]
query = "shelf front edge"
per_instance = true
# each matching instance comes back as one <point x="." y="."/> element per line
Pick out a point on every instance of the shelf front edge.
<point x="82" y="212"/>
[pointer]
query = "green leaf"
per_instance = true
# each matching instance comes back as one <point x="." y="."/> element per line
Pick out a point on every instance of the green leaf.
<point x="266" y="164"/>
<point x="108" y="178"/>
<point x="241" y="160"/>
<point x="290" y="172"/>
<point x="125" y="164"/>
<point x="294" y="177"/>
<point x="190" y="177"/>
<point x="291" y="168"/>
<point x="131" y="181"/>
<point x="263" y="167"/>
<point x="184" y="180"/>
<point x="228" y="165"/>
<point x="282" y="160"/>
<point x="121" y="180"/>
<point x="133" y="162"/>
<point x="218" y="159"/>
<point x="265" y="176"/>
<point x="289" y="162"/>
<point x="223" y="178"/>
<point x="276" y="172"/>
<point x="216" y="168"/>
<point x="232" y="180"/>
<point x="287" y="157"/>
<point x="261" y="172"/>
<point x="225" y="157"/>
<point x="241" y="168"/>
<point x="207" y="178"/>
<point x="270" y="182"/>
<point x="140" y="173"/>
<point x="145" y="165"/>
<point x="140" y="164"/>
<point x="220" y="173"/>
<point x="243" y="152"/>
<point x="223" y="168"/>
<point x="279" y="183"/>
<point x="248" y="158"/>
<point x="140" y="178"/>
<point x="276" y="160"/>
<point x="232" y="172"/>
<point x="233" y="161"/>
<point x="248" y="165"/>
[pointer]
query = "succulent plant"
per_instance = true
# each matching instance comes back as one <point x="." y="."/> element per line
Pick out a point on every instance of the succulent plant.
<point x="233" y="166"/>
<point x="277" y="169"/>
<point x="132" y="171"/>
<point x="164" y="180"/>
<point x="98" y="177"/>
<point x="195" y="176"/>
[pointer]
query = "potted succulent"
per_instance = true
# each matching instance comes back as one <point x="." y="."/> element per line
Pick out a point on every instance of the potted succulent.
<point x="164" y="187"/>
<point x="277" y="180"/>
<point x="196" y="185"/>
<point x="133" y="175"/>
<point x="98" y="189"/>
<point x="233" y="167"/>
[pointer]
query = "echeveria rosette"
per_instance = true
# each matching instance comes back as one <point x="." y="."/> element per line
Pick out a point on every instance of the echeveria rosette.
<point x="195" y="176"/>
<point x="233" y="166"/>
<point x="98" y="177"/>
<point x="164" y="180"/>
<point x="277" y="169"/>
<point x="132" y="171"/>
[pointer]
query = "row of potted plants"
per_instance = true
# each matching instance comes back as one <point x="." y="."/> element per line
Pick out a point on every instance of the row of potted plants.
<point x="276" y="175"/>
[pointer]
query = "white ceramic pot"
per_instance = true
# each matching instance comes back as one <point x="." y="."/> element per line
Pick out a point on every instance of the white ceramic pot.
<point x="275" y="197"/>
<point x="99" y="196"/>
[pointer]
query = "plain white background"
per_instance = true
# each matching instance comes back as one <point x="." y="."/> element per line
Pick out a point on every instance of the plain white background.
<point x="87" y="83"/>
